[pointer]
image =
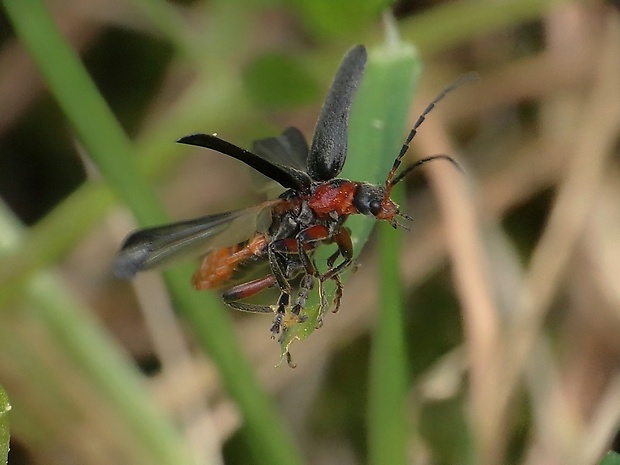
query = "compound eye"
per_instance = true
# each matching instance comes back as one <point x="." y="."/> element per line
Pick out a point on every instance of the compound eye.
<point x="375" y="207"/>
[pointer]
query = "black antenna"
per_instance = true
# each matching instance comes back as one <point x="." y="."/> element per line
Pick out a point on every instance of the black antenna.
<point x="391" y="180"/>
<point x="418" y="163"/>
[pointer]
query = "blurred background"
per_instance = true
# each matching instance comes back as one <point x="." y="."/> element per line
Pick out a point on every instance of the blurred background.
<point x="511" y="273"/>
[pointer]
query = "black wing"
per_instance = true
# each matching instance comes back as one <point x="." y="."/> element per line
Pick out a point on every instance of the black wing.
<point x="328" y="151"/>
<point x="284" y="175"/>
<point x="163" y="245"/>
<point x="290" y="149"/>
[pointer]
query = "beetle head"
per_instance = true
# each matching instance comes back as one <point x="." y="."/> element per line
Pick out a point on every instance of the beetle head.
<point x="375" y="201"/>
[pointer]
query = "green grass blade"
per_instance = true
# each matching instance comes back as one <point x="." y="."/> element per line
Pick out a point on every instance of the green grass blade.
<point x="393" y="74"/>
<point x="387" y="413"/>
<point x="77" y="95"/>
<point x="99" y="361"/>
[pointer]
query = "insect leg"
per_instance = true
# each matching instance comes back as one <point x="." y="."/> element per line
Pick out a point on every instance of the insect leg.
<point x="245" y="290"/>
<point x="307" y="284"/>
<point x="336" y="278"/>
<point x="332" y="259"/>
<point x="345" y="248"/>
<point x="309" y="235"/>
<point x="250" y="308"/>
<point x="322" y="304"/>
<point x="291" y="247"/>
<point x="278" y="321"/>
<point x="276" y="267"/>
<point x="338" y="293"/>
<point x="276" y="248"/>
<point x="314" y="234"/>
<point x="289" y="360"/>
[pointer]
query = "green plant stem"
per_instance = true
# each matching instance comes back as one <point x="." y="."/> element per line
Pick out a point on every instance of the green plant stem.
<point x="393" y="81"/>
<point x="387" y="422"/>
<point x="97" y="357"/>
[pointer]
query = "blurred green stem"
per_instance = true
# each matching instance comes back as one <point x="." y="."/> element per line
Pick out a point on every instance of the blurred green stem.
<point x="388" y="416"/>
<point x="81" y="339"/>
<point x="377" y="123"/>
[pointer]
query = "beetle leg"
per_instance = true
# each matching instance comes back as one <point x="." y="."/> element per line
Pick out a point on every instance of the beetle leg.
<point x="291" y="246"/>
<point x="338" y="293"/>
<point x="276" y="268"/>
<point x="332" y="259"/>
<point x="305" y="287"/>
<point x="289" y="360"/>
<point x="336" y="278"/>
<point x="309" y="235"/>
<point x="283" y="301"/>
<point x="345" y="248"/>
<point x="315" y="233"/>
<point x="285" y="288"/>
<point x="250" y="308"/>
<point x="318" y="233"/>
<point x="322" y="304"/>
<point x="245" y="290"/>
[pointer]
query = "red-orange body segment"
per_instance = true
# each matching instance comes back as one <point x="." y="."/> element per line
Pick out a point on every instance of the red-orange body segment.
<point x="332" y="197"/>
<point x="219" y="265"/>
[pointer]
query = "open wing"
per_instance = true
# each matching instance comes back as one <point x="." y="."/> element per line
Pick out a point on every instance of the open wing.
<point x="290" y="149"/>
<point x="163" y="245"/>
<point x="284" y="175"/>
<point x="328" y="151"/>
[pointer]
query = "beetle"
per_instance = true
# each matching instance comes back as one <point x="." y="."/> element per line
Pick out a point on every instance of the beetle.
<point x="284" y="232"/>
